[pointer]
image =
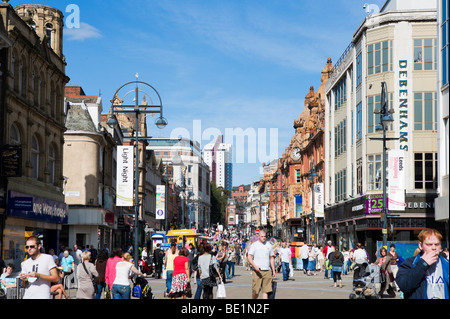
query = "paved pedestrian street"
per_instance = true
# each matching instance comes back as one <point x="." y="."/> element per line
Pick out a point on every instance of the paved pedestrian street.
<point x="301" y="287"/>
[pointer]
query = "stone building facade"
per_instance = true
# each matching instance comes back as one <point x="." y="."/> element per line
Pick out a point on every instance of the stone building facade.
<point x="32" y="107"/>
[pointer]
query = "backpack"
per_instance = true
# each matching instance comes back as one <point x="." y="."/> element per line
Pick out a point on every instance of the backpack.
<point x="137" y="291"/>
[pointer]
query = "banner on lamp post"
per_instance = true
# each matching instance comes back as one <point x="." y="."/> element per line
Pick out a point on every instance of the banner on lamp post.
<point x="124" y="179"/>
<point x="318" y="200"/>
<point x="396" y="173"/>
<point x="160" y="202"/>
<point x="263" y="215"/>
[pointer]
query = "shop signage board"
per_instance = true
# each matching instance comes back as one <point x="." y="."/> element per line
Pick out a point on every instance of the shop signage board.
<point x="374" y="204"/>
<point x="37" y="208"/>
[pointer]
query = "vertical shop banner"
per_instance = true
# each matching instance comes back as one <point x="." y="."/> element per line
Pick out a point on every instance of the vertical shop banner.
<point x="160" y="201"/>
<point x="125" y="172"/>
<point x="396" y="174"/>
<point x="263" y="215"/>
<point x="318" y="200"/>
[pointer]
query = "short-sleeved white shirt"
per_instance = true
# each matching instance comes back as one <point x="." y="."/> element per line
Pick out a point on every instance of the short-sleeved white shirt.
<point x="261" y="254"/>
<point x="38" y="288"/>
<point x="285" y="254"/>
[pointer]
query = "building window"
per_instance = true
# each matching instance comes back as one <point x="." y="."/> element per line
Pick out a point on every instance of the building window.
<point x="51" y="164"/>
<point x="425" y="117"/>
<point x="14" y="135"/>
<point x="444" y="46"/>
<point x="35" y="157"/>
<point x="374" y="102"/>
<point x="425" y="54"/>
<point x="298" y="206"/>
<point x="425" y="170"/>
<point x="48" y="33"/>
<point x="374" y="171"/>
<point x="340" y="185"/>
<point x="340" y="145"/>
<point x="340" y="93"/>
<point x="379" y="57"/>
<point x="359" y="69"/>
<point x="297" y="176"/>
<point x="359" y="121"/>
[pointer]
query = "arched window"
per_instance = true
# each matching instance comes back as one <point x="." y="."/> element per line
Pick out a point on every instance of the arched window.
<point x="35" y="157"/>
<point x="48" y="33"/>
<point x="51" y="163"/>
<point x="14" y="135"/>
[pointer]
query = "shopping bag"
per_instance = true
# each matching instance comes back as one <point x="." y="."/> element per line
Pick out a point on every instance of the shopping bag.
<point x="164" y="274"/>
<point x="221" y="293"/>
<point x="291" y="272"/>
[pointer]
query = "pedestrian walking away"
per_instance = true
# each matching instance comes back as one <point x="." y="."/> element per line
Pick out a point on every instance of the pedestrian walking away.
<point x="262" y="258"/>
<point x="426" y="275"/>
<point x="121" y="287"/>
<point x="110" y="271"/>
<point x="100" y="266"/>
<point x="181" y="276"/>
<point x="208" y="268"/>
<point x="337" y="261"/>
<point x="85" y="271"/>
<point x="38" y="271"/>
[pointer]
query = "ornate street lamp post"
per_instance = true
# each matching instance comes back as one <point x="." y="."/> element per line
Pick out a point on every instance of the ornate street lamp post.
<point x="385" y="120"/>
<point x="160" y="122"/>
<point x="311" y="175"/>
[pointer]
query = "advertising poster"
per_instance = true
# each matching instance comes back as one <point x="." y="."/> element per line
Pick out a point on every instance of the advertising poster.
<point x="396" y="173"/>
<point x="160" y="202"/>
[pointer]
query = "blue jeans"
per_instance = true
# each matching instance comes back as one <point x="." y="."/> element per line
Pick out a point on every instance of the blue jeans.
<point x="100" y="287"/>
<point x="169" y="280"/>
<point x="121" y="292"/>
<point x="230" y="268"/>
<point x="285" y="268"/>
<point x="198" y="292"/>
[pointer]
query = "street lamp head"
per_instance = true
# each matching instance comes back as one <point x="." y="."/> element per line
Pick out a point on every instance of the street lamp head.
<point x="161" y="122"/>
<point x="112" y="121"/>
<point x="387" y="120"/>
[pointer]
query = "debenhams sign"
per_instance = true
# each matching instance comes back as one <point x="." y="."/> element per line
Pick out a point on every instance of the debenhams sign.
<point x="403" y="104"/>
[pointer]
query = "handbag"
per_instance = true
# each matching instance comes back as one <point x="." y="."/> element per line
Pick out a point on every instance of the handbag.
<point x="107" y="292"/>
<point x="212" y="270"/>
<point x="94" y="282"/>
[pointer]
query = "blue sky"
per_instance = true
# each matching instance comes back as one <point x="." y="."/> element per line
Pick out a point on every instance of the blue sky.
<point x="236" y="66"/>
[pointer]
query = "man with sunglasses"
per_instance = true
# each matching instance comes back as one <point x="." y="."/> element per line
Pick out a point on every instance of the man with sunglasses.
<point x="38" y="271"/>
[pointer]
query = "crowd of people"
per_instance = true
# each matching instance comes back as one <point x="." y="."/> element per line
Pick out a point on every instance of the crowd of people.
<point x="106" y="274"/>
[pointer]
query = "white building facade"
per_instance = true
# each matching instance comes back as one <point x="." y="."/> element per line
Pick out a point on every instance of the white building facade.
<point x="442" y="201"/>
<point x="397" y="46"/>
<point x="219" y="157"/>
<point x="190" y="174"/>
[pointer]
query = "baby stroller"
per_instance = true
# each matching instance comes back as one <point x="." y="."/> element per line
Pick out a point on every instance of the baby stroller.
<point x="141" y="288"/>
<point x="364" y="280"/>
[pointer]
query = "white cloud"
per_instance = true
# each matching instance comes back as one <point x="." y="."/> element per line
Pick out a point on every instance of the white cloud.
<point x="85" y="31"/>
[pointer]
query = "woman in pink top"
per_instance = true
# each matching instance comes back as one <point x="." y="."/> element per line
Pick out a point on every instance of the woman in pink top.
<point x="110" y="272"/>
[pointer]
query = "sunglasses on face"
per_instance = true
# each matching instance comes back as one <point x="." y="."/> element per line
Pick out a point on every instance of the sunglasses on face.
<point x="30" y="247"/>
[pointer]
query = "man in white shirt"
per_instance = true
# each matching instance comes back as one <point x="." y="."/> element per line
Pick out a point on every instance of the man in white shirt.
<point x="38" y="271"/>
<point x="262" y="258"/>
<point x="304" y="254"/>
<point x="285" y="258"/>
